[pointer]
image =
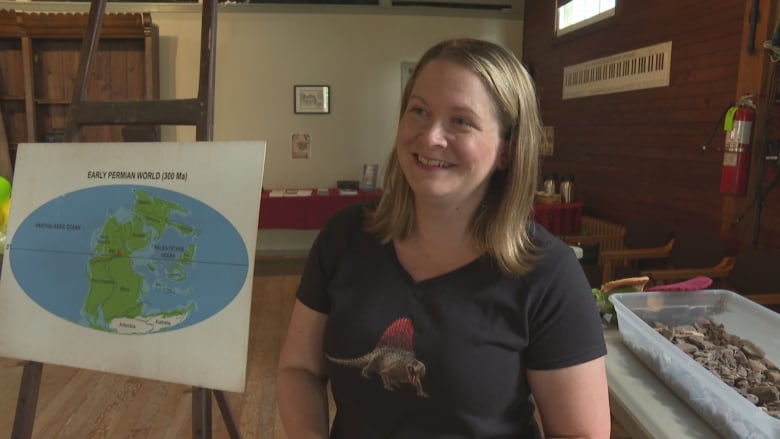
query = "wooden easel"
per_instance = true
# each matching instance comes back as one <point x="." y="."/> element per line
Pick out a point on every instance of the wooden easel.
<point x="197" y="111"/>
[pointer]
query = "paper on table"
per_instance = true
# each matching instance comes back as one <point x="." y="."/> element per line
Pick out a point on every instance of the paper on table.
<point x="290" y="193"/>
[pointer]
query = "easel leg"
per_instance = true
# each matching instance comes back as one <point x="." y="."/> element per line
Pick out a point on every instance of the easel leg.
<point x="28" y="400"/>
<point x="226" y="416"/>
<point x="201" y="413"/>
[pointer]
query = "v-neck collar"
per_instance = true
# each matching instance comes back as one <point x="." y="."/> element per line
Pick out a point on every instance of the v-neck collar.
<point x="393" y="255"/>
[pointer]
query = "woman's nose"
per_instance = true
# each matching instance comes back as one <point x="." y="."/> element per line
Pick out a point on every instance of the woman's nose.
<point x="436" y="134"/>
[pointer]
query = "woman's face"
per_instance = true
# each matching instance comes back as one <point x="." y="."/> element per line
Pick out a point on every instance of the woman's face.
<point x="448" y="141"/>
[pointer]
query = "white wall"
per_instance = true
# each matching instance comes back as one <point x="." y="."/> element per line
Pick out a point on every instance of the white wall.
<point x="261" y="56"/>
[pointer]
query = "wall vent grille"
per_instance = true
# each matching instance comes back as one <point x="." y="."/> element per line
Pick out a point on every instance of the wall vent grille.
<point x="647" y="67"/>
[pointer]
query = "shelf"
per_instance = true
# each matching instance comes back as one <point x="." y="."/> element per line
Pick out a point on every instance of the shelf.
<point x="12" y="98"/>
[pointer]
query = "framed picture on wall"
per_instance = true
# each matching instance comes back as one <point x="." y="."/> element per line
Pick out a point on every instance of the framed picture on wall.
<point x="312" y="99"/>
<point x="301" y="145"/>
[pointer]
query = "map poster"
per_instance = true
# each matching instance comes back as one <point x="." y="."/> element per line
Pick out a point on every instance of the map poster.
<point x="133" y="258"/>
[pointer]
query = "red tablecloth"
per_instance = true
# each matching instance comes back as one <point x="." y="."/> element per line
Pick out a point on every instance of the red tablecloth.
<point x="559" y="219"/>
<point x="308" y="212"/>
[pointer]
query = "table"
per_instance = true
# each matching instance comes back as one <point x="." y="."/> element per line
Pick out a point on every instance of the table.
<point x="642" y="403"/>
<point x="305" y="212"/>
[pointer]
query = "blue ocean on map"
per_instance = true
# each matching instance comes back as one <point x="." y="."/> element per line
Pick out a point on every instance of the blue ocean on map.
<point x="186" y="261"/>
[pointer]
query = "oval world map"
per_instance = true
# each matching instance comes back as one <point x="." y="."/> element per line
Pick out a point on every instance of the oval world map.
<point x="129" y="259"/>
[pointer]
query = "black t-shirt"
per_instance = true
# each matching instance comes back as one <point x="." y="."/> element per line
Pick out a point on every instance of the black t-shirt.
<point x="444" y="357"/>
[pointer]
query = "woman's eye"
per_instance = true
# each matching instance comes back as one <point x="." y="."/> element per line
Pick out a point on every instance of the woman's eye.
<point x="417" y="110"/>
<point x="463" y="121"/>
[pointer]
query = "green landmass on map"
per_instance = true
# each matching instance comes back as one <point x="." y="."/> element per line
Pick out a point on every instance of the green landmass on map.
<point x="115" y="289"/>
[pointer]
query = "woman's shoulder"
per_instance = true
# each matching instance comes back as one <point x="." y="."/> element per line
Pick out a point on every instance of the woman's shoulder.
<point x="550" y="249"/>
<point x="352" y="213"/>
<point x="348" y="220"/>
<point x="343" y="234"/>
<point x="543" y="239"/>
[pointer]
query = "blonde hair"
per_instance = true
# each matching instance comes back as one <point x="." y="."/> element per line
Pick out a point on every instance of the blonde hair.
<point x="500" y="227"/>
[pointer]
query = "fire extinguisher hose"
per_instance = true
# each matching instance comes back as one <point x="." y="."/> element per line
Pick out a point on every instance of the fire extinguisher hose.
<point x="715" y="129"/>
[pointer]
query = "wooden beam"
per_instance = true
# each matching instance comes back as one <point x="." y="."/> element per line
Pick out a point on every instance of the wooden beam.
<point x="164" y="112"/>
<point x="753" y="77"/>
<point x="29" y="94"/>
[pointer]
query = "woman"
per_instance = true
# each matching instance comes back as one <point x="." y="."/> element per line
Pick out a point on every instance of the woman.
<point x="442" y="311"/>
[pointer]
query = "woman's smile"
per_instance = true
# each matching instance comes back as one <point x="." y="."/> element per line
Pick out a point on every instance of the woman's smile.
<point x="433" y="163"/>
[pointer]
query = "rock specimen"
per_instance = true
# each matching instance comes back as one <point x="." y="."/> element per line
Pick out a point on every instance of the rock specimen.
<point x="737" y="362"/>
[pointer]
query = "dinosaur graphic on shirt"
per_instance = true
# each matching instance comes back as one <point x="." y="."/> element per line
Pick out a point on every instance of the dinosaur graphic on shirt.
<point x="392" y="359"/>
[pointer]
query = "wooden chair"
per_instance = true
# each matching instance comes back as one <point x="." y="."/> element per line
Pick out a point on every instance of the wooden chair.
<point x="693" y="254"/>
<point x="607" y="235"/>
<point x="751" y="273"/>
<point x="596" y="236"/>
<point x="644" y="240"/>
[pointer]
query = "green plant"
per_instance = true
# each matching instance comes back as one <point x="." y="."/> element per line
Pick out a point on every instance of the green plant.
<point x="627" y="285"/>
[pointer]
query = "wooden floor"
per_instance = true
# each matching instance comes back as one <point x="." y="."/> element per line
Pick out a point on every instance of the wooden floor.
<point x="76" y="403"/>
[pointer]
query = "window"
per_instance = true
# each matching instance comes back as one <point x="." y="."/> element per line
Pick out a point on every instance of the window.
<point x="576" y="14"/>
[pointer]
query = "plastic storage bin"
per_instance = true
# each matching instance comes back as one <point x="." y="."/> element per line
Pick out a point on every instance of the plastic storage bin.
<point x="720" y="405"/>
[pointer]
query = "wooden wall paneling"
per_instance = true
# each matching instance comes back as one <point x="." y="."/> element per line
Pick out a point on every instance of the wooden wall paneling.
<point x="122" y="86"/>
<point x="99" y="80"/>
<point x="138" y="87"/>
<point x="43" y="50"/>
<point x="151" y="60"/>
<point x="99" y="88"/>
<point x="70" y="65"/>
<point x="29" y="89"/>
<point x="15" y="122"/>
<point x="53" y="70"/>
<point x="770" y="233"/>
<point x="12" y="105"/>
<point x="770" y="221"/>
<point x="50" y="120"/>
<point x="11" y="78"/>
<point x="135" y="61"/>
<point x="48" y="82"/>
<point x="118" y="78"/>
<point x="769" y="236"/>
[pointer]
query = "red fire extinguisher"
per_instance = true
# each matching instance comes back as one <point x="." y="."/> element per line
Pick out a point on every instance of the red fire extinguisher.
<point x="738" y="125"/>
